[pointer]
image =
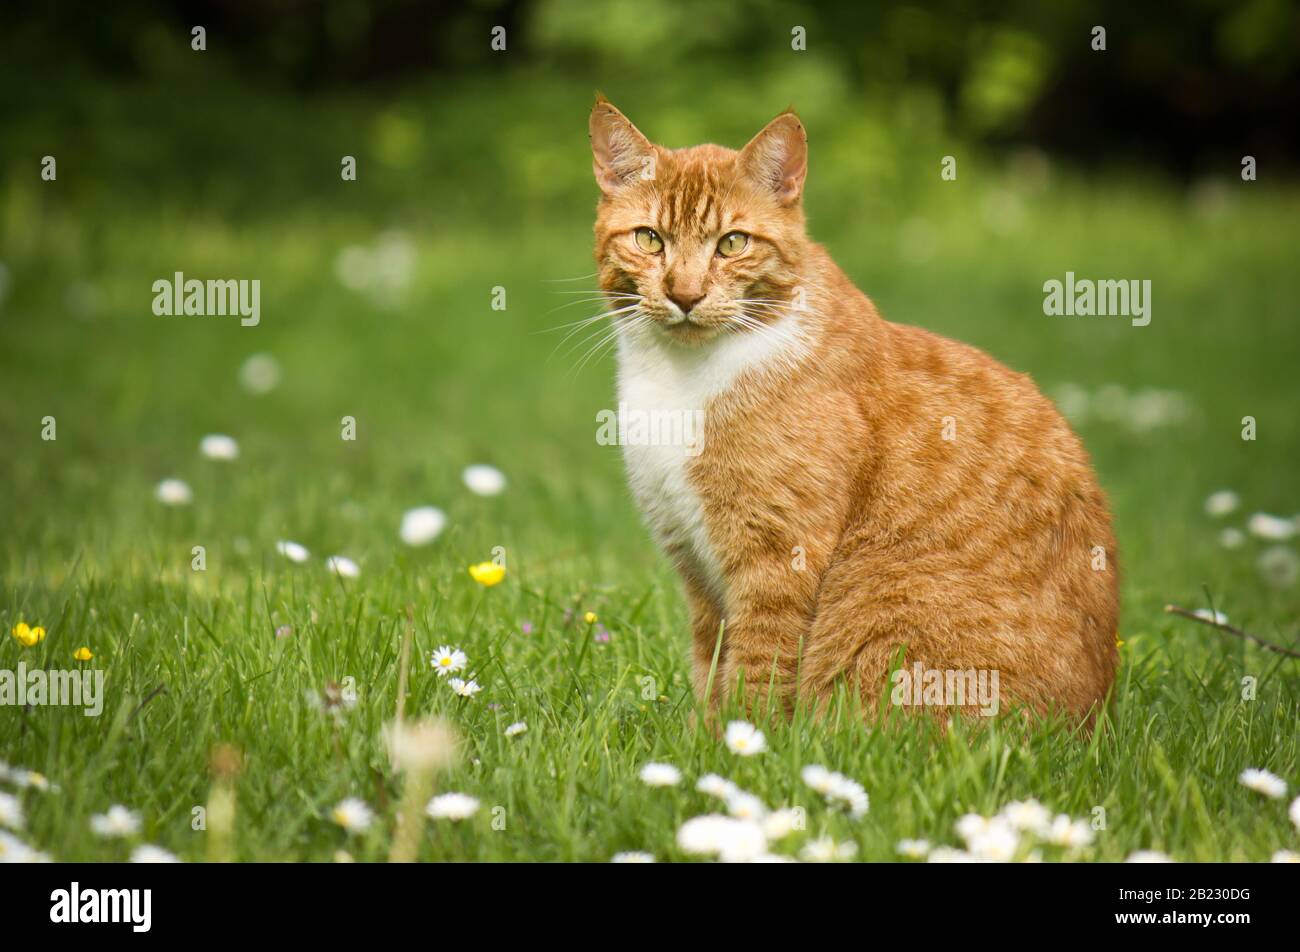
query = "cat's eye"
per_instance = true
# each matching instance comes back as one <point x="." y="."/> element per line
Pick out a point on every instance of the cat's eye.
<point x="733" y="243"/>
<point x="648" y="240"/>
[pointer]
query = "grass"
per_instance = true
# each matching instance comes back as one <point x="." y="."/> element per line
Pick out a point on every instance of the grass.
<point x="245" y="185"/>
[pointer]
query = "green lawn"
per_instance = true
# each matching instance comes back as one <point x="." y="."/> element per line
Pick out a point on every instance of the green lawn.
<point x="489" y="186"/>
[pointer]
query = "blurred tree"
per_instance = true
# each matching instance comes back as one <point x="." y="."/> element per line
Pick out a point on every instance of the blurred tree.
<point x="1209" y="80"/>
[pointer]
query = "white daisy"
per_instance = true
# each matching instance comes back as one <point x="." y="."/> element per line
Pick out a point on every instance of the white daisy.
<point x="1261" y="781"/>
<point x="850" y="794"/>
<point x="353" y="267"/>
<point x="971" y="825"/>
<point x="826" y="850"/>
<point x="465" y="688"/>
<point x="1278" y="566"/>
<point x="342" y="566"/>
<point x="355" y="816"/>
<point x="30" y="779"/>
<point x="837" y="788"/>
<point x="117" y="822"/>
<point x="1148" y="856"/>
<point x="781" y="823"/>
<point x="1028" y="816"/>
<point x="946" y="854"/>
<point x="1285" y="856"/>
<point x="1221" y="503"/>
<point x="260" y="374"/>
<point x="746" y="806"/>
<point x="422" y="525"/>
<point x="1262" y="525"/>
<point x="819" y="778"/>
<point x="484" y="480"/>
<point x="1294" y="812"/>
<point x="660" y="775"/>
<point x="219" y="446"/>
<point x="173" y="492"/>
<point x="292" y="551"/>
<point x="11" y="812"/>
<point x="715" y="786"/>
<point x="515" y="729"/>
<point x="745" y="739"/>
<point x="996" y="843"/>
<point x="702" y="835"/>
<point x="913" y="849"/>
<point x="729" y="839"/>
<point x="448" y="660"/>
<point x="153" y="854"/>
<point x="1231" y="538"/>
<point x="1069" y="833"/>
<point x="452" y="806"/>
<point x="14" y="850"/>
<point x="742" y="842"/>
<point x="633" y="856"/>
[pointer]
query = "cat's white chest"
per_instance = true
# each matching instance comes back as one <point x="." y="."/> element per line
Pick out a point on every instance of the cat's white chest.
<point x="668" y="390"/>
<point x="657" y="465"/>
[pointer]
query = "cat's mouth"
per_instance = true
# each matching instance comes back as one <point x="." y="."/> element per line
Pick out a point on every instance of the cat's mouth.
<point x="688" y="330"/>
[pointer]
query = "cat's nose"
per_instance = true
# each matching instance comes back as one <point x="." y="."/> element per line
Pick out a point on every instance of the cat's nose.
<point x="685" y="301"/>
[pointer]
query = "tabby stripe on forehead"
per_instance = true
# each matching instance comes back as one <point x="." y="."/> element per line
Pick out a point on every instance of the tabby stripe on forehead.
<point x="703" y="214"/>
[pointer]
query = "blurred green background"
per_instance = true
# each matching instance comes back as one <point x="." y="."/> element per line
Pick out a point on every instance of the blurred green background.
<point x="474" y="173"/>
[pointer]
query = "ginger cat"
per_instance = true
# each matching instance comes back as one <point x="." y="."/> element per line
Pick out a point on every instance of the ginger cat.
<point x="864" y="491"/>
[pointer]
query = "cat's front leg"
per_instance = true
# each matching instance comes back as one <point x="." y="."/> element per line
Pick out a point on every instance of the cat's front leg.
<point x="706" y="630"/>
<point x="770" y="607"/>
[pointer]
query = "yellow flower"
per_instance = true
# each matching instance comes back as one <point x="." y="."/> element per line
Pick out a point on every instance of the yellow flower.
<point x="1119" y="643"/>
<point x="487" y="574"/>
<point x="590" y="618"/>
<point x="28" y="636"/>
<point x="83" y="654"/>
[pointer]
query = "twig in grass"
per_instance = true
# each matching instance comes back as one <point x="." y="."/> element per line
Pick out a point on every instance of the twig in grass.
<point x="404" y="664"/>
<point x="160" y="689"/>
<point x="1232" y="630"/>
<point x="418" y="750"/>
<point x="226" y="761"/>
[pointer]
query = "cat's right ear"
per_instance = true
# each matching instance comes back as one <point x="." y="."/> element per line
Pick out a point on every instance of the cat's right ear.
<point x="620" y="154"/>
<point x="778" y="157"/>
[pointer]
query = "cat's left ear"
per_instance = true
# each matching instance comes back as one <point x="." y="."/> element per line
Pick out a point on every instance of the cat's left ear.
<point x="778" y="157"/>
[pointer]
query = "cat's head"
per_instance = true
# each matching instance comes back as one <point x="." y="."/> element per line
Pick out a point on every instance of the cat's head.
<point x="700" y="241"/>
